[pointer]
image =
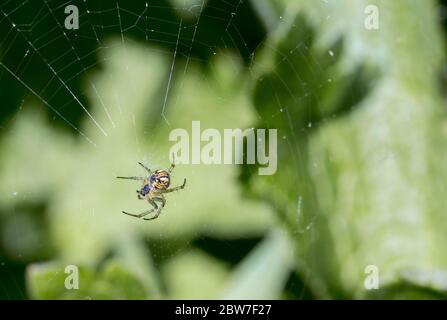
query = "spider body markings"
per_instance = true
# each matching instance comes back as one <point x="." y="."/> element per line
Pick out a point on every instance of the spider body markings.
<point x="155" y="185"/>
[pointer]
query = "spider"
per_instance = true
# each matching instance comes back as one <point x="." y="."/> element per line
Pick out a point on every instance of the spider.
<point x="155" y="185"/>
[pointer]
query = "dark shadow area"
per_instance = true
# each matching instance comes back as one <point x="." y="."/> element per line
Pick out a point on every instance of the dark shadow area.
<point x="42" y="59"/>
<point x="230" y="251"/>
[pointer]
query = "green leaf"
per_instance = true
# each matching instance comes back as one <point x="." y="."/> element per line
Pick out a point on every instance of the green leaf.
<point x="362" y="161"/>
<point x="112" y="281"/>
<point x="194" y="275"/>
<point x="78" y="180"/>
<point x="264" y="272"/>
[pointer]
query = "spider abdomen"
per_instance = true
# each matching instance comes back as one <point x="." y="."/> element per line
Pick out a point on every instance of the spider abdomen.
<point x="160" y="180"/>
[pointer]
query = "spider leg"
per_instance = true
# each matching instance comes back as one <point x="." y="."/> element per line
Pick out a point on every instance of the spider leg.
<point x="175" y="188"/>
<point x="132" y="178"/>
<point x="145" y="213"/>
<point x="146" y="168"/>
<point x="163" y="202"/>
<point x="172" y="163"/>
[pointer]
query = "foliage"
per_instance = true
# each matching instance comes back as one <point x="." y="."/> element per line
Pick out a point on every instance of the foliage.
<point x="360" y="180"/>
<point x="363" y="158"/>
<point x="113" y="281"/>
<point x="78" y="181"/>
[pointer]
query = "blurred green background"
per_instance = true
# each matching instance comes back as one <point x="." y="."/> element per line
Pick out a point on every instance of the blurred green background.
<point x="362" y="149"/>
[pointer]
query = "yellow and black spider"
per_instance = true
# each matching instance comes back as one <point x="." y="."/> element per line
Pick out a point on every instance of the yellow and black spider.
<point x="155" y="185"/>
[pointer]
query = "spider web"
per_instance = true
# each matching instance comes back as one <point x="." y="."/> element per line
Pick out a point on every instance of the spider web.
<point x="24" y="45"/>
<point x="34" y="51"/>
